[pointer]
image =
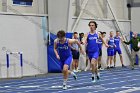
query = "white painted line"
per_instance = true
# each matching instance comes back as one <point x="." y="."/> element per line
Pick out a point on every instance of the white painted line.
<point x="59" y="87"/>
<point x="7" y="86"/>
<point x="129" y="90"/>
<point x="29" y="86"/>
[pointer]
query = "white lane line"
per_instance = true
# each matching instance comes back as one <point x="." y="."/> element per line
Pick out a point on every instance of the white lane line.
<point x="129" y="90"/>
<point x="29" y="86"/>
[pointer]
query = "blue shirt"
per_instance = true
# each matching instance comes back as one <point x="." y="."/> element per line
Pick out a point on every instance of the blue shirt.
<point x="111" y="43"/>
<point x="117" y="41"/>
<point x="64" y="50"/>
<point x="92" y="42"/>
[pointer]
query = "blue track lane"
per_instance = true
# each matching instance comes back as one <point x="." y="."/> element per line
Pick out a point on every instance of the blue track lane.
<point x="118" y="80"/>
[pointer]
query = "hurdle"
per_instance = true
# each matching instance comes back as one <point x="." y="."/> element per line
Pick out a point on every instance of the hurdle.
<point x="20" y="58"/>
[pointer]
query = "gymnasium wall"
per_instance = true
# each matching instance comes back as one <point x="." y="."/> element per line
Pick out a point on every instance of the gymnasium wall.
<point x="24" y="34"/>
<point x="135" y="19"/>
<point x="100" y="9"/>
<point x="58" y="15"/>
<point x="38" y="7"/>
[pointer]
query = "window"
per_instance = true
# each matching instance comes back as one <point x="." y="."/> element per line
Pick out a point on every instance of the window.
<point x="23" y="2"/>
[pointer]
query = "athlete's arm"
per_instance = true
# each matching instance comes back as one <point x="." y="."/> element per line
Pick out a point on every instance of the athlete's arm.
<point x="114" y="45"/>
<point x="139" y="42"/>
<point x="55" y="49"/>
<point x="107" y="41"/>
<point x="122" y="39"/>
<point x="100" y="36"/>
<point x="72" y="47"/>
<point x="71" y="41"/>
<point x="85" y="38"/>
<point x="128" y="42"/>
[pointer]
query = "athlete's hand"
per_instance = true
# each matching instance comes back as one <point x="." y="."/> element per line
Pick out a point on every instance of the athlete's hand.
<point x="81" y="51"/>
<point x="107" y="45"/>
<point x="115" y="46"/>
<point x="83" y="43"/>
<point x="138" y="44"/>
<point x="58" y="57"/>
<point x="111" y="46"/>
<point x="74" y="49"/>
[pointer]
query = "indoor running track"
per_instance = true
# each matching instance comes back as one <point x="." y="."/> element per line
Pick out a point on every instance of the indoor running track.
<point x="117" y="80"/>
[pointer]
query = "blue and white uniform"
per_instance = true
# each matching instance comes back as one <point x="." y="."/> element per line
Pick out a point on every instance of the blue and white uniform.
<point x="117" y="43"/>
<point x="110" y="49"/>
<point x="92" y="46"/>
<point x="64" y="52"/>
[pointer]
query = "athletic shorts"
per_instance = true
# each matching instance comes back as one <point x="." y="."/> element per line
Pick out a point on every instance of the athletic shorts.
<point x="75" y="54"/>
<point x="94" y="55"/>
<point x="100" y="52"/>
<point x="67" y="61"/>
<point x="117" y="50"/>
<point x="110" y="52"/>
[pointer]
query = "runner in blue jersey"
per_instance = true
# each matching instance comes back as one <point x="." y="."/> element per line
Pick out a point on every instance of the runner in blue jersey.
<point x="63" y="53"/>
<point x="100" y="44"/>
<point x="92" y="48"/>
<point x="110" y="50"/>
<point x="117" y="40"/>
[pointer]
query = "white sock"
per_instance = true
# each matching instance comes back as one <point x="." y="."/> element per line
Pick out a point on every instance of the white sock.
<point x="98" y="74"/>
<point x="72" y="73"/>
<point x="65" y="82"/>
<point x="93" y="75"/>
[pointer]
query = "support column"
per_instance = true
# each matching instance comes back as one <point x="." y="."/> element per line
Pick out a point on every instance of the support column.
<point x="4" y="5"/>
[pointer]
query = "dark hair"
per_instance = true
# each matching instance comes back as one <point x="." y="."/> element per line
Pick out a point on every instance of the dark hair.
<point x="61" y="33"/>
<point x="93" y="22"/>
<point x="102" y="32"/>
<point x="117" y="31"/>
<point x="75" y="33"/>
<point x="81" y="34"/>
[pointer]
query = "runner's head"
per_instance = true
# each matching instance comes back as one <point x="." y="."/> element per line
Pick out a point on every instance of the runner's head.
<point x="92" y="25"/>
<point x="61" y="35"/>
